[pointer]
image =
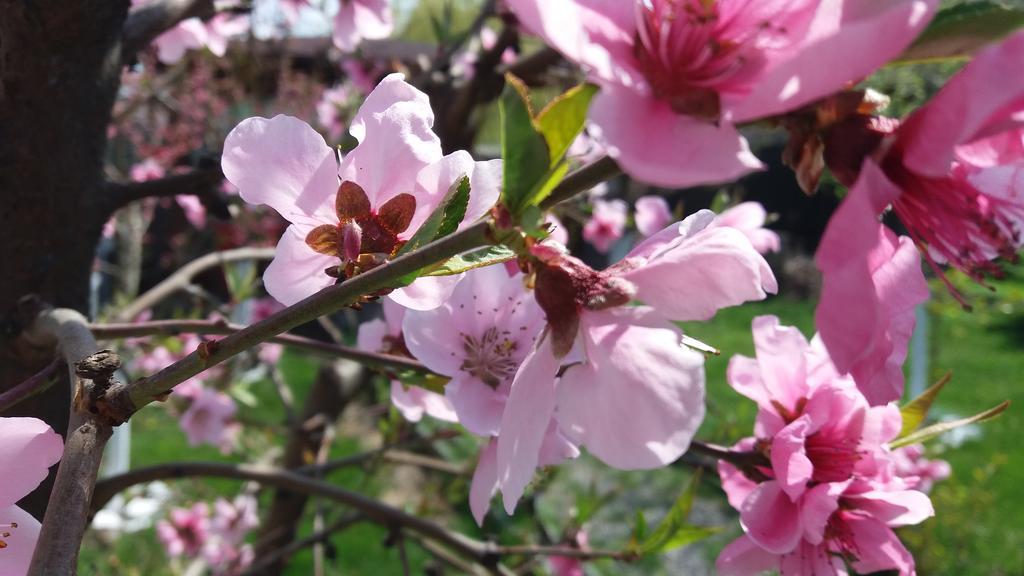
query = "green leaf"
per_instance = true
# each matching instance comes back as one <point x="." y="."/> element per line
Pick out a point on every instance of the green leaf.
<point x="241" y="280"/>
<point x="929" y="432"/>
<point x="523" y="149"/>
<point x="553" y="178"/>
<point x="640" y="527"/>
<point x="561" y="121"/>
<point x="476" y="259"/>
<point x="432" y="382"/>
<point x="960" y="30"/>
<point x="915" y="411"/>
<point x="444" y="220"/>
<point x="673" y="531"/>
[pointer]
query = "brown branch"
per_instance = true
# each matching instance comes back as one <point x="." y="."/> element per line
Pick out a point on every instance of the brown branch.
<point x="122" y="401"/>
<point x="150" y="20"/>
<point x="199" y="182"/>
<point x="324" y="349"/>
<point x="182" y="278"/>
<point x="39" y="382"/>
<point x="374" y="511"/>
<point x="582" y="180"/>
<point x="748" y="462"/>
<point x="281" y="555"/>
<point x="67" y="512"/>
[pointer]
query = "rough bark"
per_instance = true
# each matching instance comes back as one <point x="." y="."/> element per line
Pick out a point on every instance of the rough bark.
<point x="59" y="71"/>
<point x="323" y="406"/>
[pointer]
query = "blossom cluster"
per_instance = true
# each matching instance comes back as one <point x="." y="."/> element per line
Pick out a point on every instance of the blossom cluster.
<point x="829" y="489"/>
<point x="217" y="537"/>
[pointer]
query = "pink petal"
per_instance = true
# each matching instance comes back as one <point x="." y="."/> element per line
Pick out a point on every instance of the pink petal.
<point x="793" y="469"/>
<point x="635" y="366"/>
<point x="734" y="483"/>
<point x="878" y="548"/>
<point x="966" y="107"/>
<point x="895" y="507"/>
<point x="285" y="164"/>
<point x="781" y="355"/>
<point x="717" y="268"/>
<point x="359" y="19"/>
<point x="597" y="34"/>
<point x="434" y="181"/>
<point x="808" y="559"/>
<point x="485" y="481"/>
<point x="397" y="142"/>
<point x="743" y="557"/>
<point x="426" y="292"/>
<point x="370" y="336"/>
<point x="296" y="270"/>
<point x="650" y="141"/>
<point x="844" y="44"/>
<point x="817" y="506"/>
<point x="413" y="402"/>
<point x="524" y="425"/>
<point x="16" y="557"/>
<point x="478" y="406"/>
<point x="770" y="519"/>
<point x="28" y="450"/>
<point x="749" y="218"/>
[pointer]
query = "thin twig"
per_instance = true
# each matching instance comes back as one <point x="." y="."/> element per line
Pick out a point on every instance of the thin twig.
<point x="748" y="462"/>
<point x="282" y="554"/>
<point x="582" y="180"/>
<point x="37" y="383"/>
<point x="198" y="182"/>
<point x="181" y="279"/>
<point x="327" y="350"/>
<point x="121" y="402"/>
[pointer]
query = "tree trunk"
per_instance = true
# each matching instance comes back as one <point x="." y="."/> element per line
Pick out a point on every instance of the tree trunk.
<point x="60" y="66"/>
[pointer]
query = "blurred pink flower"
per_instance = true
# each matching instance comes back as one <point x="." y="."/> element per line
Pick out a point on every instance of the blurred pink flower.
<point x="193" y="34"/>
<point x="148" y="169"/>
<point x="652" y="213"/>
<point x="186" y="531"/>
<point x="677" y="76"/>
<point x="330" y="108"/>
<point x="749" y="218"/>
<point x="207" y="419"/>
<point x="390" y="183"/>
<point x="607" y="224"/>
<point x="920" y="473"/>
<point x="568" y="565"/>
<point x="28" y="450"/>
<point x="359" y="20"/>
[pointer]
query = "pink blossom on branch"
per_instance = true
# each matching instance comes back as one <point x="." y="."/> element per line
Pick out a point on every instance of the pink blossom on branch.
<point x="829" y="492"/>
<point x="28" y="450"/>
<point x="606" y="225"/>
<point x="353" y="216"/>
<point x="185" y="532"/>
<point x="676" y="76"/>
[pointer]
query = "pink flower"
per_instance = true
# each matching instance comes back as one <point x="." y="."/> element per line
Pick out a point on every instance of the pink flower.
<point x="828" y="486"/>
<point x="652" y="214"/>
<point x="607" y="224"/>
<point x="233" y="520"/>
<point x="207" y="419"/>
<point x="478" y="338"/>
<point x="193" y="34"/>
<point x="359" y="20"/>
<point x="749" y="218"/>
<point x="919" y="472"/>
<point x="28" y="450"/>
<point x="186" y="531"/>
<point x="568" y="565"/>
<point x="677" y="75"/>
<point x="389" y="184"/>
<point x="329" y="110"/>
<point x="148" y="169"/>
<point x="871" y="282"/>
<point x="385" y="336"/>
<point x="953" y="173"/>
<point x="632" y="362"/>
<point x="193" y="209"/>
